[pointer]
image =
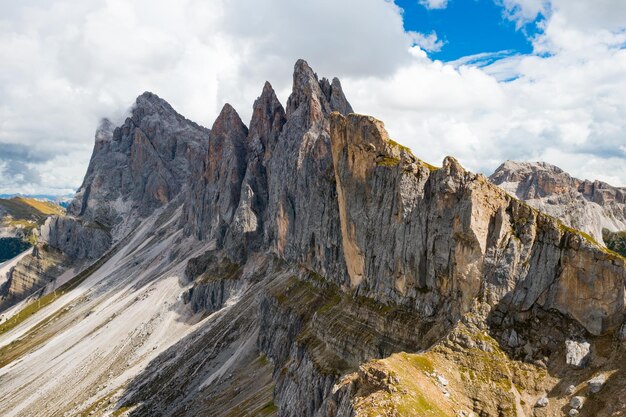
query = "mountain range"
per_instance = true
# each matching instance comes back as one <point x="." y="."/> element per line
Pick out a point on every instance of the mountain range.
<point x="306" y="264"/>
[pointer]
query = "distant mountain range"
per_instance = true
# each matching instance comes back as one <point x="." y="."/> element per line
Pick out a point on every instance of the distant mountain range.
<point x="62" y="200"/>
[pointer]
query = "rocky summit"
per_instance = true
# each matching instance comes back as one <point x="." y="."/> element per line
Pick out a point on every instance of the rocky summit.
<point x="306" y="264"/>
<point x="594" y="207"/>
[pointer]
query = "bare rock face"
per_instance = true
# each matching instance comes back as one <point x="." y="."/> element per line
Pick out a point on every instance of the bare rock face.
<point x="76" y="238"/>
<point x="247" y="231"/>
<point x="302" y="209"/>
<point x="31" y="274"/>
<point x="134" y="169"/>
<point x="140" y="165"/>
<point x="446" y="236"/>
<point x="590" y="206"/>
<point x="217" y="184"/>
<point x="577" y="353"/>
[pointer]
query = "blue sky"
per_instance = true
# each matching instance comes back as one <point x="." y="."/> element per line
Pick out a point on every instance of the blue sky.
<point x="469" y="27"/>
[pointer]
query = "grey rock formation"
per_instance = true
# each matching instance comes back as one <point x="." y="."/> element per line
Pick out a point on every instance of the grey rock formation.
<point x="134" y="169"/>
<point x="596" y="383"/>
<point x="217" y="184"/>
<point x="140" y="165"/>
<point x="576" y="353"/>
<point x="302" y="208"/>
<point x="76" y="238"/>
<point x="590" y="206"/>
<point x="444" y="236"/>
<point x="577" y="402"/>
<point x="33" y="273"/>
<point x="542" y="402"/>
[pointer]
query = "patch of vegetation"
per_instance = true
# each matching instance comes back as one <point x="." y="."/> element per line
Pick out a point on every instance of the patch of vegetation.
<point x="21" y="208"/>
<point x="615" y="241"/>
<point x="414" y="394"/>
<point x="123" y="409"/>
<point x="10" y="247"/>
<point x="387" y="161"/>
<point x="420" y="362"/>
<point x="268" y="409"/>
<point x="430" y="167"/>
<point x="418" y="405"/>
<point x="397" y="145"/>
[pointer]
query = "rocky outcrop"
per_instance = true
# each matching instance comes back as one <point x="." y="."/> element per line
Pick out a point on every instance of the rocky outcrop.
<point x="247" y="231"/>
<point x="76" y="238"/>
<point x="215" y="280"/>
<point x="302" y="225"/>
<point x="134" y="169"/>
<point x="445" y="237"/>
<point x="31" y="274"/>
<point x="217" y="188"/>
<point x="590" y="206"/>
<point x="140" y="165"/>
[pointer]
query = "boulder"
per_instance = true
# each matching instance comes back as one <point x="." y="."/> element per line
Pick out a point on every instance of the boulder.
<point x="577" y="353"/>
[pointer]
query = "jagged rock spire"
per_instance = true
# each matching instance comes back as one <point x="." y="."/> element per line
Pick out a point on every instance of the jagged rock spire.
<point x="312" y="98"/>
<point x="268" y="118"/>
<point x="307" y="99"/>
<point x="338" y="100"/>
<point x="227" y="152"/>
<point x="217" y="186"/>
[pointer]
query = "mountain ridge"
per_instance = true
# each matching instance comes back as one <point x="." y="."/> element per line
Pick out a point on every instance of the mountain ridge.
<point x="305" y="265"/>
<point x="590" y="206"/>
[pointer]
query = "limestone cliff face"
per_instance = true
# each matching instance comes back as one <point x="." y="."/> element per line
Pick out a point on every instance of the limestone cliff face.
<point x="302" y="223"/>
<point x="590" y="206"/>
<point x="333" y="193"/>
<point x="437" y="239"/>
<point x="31" y="274"/>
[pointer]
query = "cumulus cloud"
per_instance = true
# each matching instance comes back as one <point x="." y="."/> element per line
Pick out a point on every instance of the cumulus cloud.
<point x="67" y="63"/>
<point x="434" y="4"/>
<point x="428" y="42"/>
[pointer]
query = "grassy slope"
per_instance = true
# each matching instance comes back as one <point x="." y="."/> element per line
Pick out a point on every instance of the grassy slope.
<point x="21" y="208"/>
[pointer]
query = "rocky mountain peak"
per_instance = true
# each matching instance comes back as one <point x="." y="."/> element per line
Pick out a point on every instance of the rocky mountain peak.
<point x="315" y="99"/>
<point x="306" y="99"/>
<point x="335" y="96"/>
<point x="228" y="121"/>
<point x="590" y="206"/>
<point x="150" y="102"/>
<point x="104" y="132"/>
<point x="268" y="118"/>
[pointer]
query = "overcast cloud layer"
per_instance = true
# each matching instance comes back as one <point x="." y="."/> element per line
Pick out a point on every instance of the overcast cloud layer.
<point x="66" y="64"/>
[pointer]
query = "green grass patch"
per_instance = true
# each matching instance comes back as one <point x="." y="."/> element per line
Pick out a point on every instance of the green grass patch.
<point x="387" y="161"/>
<point x="21" y="208"/>
<point x="269" y="408"/>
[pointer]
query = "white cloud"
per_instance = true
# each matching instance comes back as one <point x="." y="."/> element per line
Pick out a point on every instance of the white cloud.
<point x="524" y="11"/>
<point x="434" y="4"/>
<point x="68" y="63"/>
<point x="428" y="42"/>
